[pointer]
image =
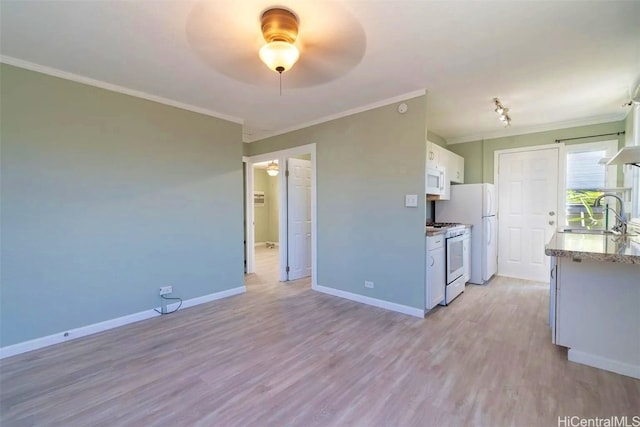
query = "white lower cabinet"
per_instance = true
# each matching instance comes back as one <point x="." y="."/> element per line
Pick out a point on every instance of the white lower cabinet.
<point x="553" y="292"/>
<point x="436" y="274"/>
<point x="593" y="310"/>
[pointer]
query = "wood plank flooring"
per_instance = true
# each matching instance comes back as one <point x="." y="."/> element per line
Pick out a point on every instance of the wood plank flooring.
<point x="283" y="355"/>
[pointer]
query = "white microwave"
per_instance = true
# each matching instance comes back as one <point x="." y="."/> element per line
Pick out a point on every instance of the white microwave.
<point x="434" y="181"/>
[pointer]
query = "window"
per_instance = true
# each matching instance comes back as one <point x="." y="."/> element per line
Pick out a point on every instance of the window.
<point x="633" y="171"/>
<point x="635" y="200"/>
<point x="586" y="180"/>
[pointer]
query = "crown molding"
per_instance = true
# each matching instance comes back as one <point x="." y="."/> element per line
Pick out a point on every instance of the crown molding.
<point x="540" y="128"/>
<point x="363" y="108"/>
<point x="114" y="88"/>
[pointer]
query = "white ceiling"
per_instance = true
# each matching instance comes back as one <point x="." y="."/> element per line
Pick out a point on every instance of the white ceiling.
<point x="553" y="63"/>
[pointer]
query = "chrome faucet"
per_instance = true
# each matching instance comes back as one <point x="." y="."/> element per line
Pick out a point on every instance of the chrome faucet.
<point x="621" y="219"/>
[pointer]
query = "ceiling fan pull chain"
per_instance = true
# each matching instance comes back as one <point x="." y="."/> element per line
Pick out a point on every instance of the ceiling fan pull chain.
<point x="280" y="69"/>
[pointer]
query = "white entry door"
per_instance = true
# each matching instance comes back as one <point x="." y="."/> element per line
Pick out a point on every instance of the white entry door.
<point x="527" y="211"/>
<point x="299" y="218"/>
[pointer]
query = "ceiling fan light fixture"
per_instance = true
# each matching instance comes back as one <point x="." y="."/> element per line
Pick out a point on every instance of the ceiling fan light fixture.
<point x="279" y="56"/>
<point x="272" y="169"/>
<point x="280" y="31"/>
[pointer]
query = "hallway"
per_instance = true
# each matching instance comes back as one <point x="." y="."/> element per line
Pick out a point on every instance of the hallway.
<point x="265" y="277"/>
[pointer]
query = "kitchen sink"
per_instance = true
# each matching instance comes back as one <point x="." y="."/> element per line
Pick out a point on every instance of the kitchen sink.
<point x="598" y="232"/>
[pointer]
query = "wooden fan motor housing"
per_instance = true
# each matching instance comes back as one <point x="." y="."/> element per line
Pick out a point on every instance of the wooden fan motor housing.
<point x="279" y="25"/>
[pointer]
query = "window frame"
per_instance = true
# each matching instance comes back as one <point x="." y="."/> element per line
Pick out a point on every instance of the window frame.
<point x="611" y="172"/>
<point x="634" y="214"/>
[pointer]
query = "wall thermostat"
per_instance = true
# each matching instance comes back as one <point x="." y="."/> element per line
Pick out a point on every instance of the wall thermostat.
<point x="402" y="108"/>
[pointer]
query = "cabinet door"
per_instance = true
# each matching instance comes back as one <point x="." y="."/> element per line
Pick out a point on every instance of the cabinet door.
<point x="438" y="158"/>
<point x="433" y="155"/>
<point x="456" y="166"/>
<point x="552" y="299"/>
<point x="435" y="277"/>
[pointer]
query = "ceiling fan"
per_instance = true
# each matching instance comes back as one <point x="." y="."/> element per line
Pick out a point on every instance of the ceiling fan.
<point x="231" y="37"/>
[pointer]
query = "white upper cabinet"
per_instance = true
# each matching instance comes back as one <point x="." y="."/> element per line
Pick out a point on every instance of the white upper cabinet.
<point x="434" y="156"/>
<point x="451" y="164"/>
<point x="456" y="167"/>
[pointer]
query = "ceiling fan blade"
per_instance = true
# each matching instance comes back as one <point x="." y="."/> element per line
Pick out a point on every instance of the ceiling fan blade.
<point x="322" y="63"/>
<point x="228" y="38"/>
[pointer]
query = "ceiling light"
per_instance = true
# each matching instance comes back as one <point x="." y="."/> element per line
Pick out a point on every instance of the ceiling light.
<point x="280" y="30"/>
<point x="272" y="169"/>
<point x="279" y="56"/>
<point x="502" y="113"/>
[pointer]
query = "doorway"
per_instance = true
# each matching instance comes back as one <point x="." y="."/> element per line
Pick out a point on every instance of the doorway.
<point x="287" y="203"/>
<point x="527" y="182"/>
<point x="266" y="213"/>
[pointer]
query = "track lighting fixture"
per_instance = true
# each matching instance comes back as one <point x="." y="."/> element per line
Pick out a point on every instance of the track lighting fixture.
<point x="502" y="113"/>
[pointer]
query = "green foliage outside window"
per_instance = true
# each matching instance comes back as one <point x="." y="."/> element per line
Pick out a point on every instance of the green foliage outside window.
<point x="584" y="216"/>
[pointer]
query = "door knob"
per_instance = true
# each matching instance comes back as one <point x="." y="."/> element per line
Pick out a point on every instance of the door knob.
<point x="551" y="222"/>
<point x="552" y="213"/>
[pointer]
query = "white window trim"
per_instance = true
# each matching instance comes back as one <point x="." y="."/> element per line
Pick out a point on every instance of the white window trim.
<point x="635" y="171"/>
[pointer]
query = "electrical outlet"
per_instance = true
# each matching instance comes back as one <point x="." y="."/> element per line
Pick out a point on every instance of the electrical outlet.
<point x="166" y="290"/>
<point x="368" y="284"/>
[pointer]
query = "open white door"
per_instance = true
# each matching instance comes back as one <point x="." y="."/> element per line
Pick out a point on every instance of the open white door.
<point x="527" y="209"/>
<point x="299" y="218"/>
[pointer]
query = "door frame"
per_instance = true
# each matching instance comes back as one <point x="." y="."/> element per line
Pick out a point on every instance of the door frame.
<point x="561" y="196"/>
<point x="282" y="156"/>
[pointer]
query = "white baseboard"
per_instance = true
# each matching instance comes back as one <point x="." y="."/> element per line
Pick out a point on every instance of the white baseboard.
<point x="622" y="368"/>
<point x="211" y="297"/>
<point x="404" y="309"/>
<point x="25" y="346"/>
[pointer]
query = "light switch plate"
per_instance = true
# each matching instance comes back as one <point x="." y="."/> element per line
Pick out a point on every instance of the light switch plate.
<point x="411" y="200"/>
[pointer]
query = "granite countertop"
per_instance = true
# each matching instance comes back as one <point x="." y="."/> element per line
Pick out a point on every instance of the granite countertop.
<point x="597" y="247"/>
<point x="435" y="231"/>
<point x="432" y="231"/>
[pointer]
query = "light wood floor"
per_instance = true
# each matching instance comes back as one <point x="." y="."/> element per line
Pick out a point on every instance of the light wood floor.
<point x="283" y="355"/>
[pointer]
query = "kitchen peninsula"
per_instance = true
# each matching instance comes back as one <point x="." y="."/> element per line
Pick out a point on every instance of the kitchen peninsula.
<point x="594" y="305"/>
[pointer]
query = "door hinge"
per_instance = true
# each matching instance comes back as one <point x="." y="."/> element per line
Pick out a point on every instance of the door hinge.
<point x="286" y="173"/>
<point x="287" y="268"/>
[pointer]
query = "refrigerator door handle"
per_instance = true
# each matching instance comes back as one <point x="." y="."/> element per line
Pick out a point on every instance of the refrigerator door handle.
<point x="489" y="228"/>
<point x="489" y="203"/>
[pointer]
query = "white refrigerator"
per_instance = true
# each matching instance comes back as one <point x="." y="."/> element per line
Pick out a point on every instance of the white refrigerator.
<point x="476" y="205"/>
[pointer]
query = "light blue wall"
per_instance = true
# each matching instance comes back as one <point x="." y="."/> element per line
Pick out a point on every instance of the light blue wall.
<point x="107" y="197"/>
<point x="366" y="163"/>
